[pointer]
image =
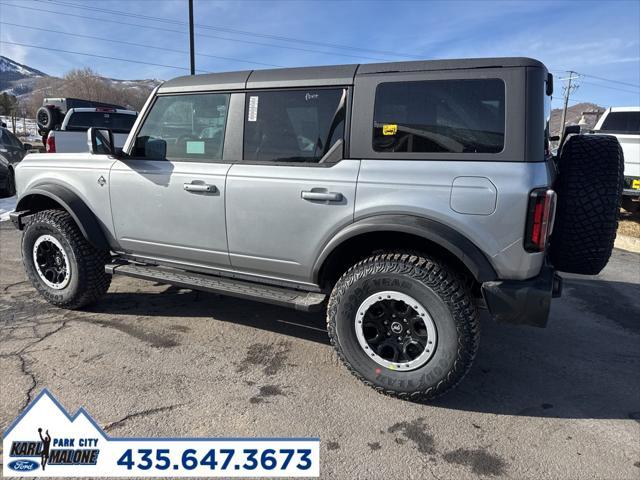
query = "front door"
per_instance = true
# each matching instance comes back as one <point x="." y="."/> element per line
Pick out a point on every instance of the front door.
<point x="168" y="198"/>
<point x="293" y="189"/>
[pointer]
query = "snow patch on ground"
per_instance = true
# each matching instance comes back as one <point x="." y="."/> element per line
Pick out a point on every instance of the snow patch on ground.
<point x="7" y="205"/>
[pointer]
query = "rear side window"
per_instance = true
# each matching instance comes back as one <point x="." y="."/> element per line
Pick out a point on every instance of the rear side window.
<point x="118" y="122"/>
<point x="622" y="122"/>
<point x="293" y="125"/>
<point x="192" y="126"/>
<point x="448" y="116"/>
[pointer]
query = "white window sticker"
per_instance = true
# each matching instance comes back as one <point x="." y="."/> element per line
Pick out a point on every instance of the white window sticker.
<point x="253" y="109"/>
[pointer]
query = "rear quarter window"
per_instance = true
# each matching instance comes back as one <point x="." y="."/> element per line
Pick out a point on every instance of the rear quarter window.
<point x="118" y="122"/>
<point x="440" y="116"/>
<point x="622" y="122"/>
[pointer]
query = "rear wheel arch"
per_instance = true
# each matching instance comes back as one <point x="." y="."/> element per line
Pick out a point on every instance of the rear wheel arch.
<point x="45" y="197"/>
<point x="393" y="232"/>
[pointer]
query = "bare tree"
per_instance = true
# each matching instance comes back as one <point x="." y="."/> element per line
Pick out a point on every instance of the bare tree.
<point x="88" y="85"/>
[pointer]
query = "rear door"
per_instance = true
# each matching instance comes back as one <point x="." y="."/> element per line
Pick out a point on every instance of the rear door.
<point x="171" y="207"/>
<point x="293" y="190"/>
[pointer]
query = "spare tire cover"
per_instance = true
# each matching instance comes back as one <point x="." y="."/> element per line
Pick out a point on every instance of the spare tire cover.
<point x="589" y="188"/>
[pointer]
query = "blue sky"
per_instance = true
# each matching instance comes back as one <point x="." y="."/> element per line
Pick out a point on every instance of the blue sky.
<point x="599" y="38"/>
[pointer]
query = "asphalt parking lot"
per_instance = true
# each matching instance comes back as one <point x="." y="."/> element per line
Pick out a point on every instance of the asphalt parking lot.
<point x="154" y="360"/>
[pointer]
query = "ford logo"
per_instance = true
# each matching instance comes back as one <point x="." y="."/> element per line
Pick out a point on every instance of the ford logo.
<point x="23" y="465"/>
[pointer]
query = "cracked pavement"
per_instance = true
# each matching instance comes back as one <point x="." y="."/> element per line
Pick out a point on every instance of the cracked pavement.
<point x="155" y="360"/>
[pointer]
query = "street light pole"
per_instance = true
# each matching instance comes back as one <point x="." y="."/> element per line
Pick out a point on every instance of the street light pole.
<point x="191" y="46"/>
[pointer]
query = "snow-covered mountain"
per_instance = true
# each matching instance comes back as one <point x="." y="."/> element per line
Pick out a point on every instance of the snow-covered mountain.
<point x="16" y="78"/>
<point x="29" y="84"/>
<point x="10" y="67"/>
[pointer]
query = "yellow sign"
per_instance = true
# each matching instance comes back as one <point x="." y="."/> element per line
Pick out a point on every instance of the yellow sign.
<point x="389" y="129"/>
<point x="635" y="184"/>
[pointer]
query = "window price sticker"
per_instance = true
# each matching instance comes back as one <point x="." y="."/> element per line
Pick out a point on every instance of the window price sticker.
<point x="46" y="441"/>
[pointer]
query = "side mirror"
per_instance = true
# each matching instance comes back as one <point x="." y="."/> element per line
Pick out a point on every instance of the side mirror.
<point x="27" y="146"/>
<point x="549" y="91"/>
<point x="155" y="149"/>
<point x="100" y="141"/>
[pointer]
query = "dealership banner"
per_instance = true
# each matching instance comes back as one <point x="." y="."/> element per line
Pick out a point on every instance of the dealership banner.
<point x="46" y="441"/>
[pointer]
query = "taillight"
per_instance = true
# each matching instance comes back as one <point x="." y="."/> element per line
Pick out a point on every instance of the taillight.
<point x="542" y="206"/>
<point x="51" y="144"/>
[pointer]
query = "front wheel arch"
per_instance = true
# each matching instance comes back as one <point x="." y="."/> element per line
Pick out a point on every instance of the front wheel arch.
<point x="45" y="197"/>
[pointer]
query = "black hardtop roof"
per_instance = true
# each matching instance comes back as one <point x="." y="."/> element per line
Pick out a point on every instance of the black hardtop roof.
<point x="327" y="75"/>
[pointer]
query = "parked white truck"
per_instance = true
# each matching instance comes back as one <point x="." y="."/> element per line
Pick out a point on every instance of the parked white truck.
<point x="72" y="135"/>
<point x="624" y="124"/>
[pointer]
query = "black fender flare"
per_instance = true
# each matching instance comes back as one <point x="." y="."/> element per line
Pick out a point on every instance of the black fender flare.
<point x="73" y="204"/>
<point x="444" y="236"/>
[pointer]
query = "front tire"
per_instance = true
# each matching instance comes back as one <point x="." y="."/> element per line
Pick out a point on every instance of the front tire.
<point x="60" y="263"/>
<point x="420" y="358"/>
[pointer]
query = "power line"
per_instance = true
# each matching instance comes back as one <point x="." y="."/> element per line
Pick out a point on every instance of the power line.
<point x="635" y="85"/>
<point x="217" y="37"/>
<point x="95" y="55"/>
<point x="612" y="88"/>
<point x="134" y="44"/>
<point x="597" y="78"/>
<point x="232" y="30"/>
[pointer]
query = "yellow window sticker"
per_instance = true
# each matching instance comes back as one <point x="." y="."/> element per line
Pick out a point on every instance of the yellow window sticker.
<point x="635" y="184"/>
<point x="389" y="129"/>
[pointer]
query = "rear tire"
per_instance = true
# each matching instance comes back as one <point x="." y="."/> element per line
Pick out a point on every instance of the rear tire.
<point x="589" y="188"/>
<point x="60" y="263"/>
<point x="382" y="359"/>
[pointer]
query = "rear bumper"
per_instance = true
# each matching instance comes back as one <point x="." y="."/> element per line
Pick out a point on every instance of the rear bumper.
<point x="523" y="302"/>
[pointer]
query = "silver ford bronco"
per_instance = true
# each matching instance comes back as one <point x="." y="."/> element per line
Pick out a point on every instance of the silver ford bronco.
<point x="402" y="197"/>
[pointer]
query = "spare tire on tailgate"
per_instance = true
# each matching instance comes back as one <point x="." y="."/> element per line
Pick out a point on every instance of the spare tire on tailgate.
<point x="47" y="117"/>
<point x="589" y="188"/>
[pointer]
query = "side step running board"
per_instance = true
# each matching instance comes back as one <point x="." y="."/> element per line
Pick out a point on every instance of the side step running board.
<point x="298" y="299"/>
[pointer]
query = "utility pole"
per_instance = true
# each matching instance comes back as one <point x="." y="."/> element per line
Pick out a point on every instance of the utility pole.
<point x="191" y="46"/>
<point x="568" y="90"/>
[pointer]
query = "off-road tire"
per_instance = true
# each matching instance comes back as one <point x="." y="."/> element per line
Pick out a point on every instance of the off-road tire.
<point x="589" y="188"/>
<point x="88" y="280"/>
<point x="47" y="117"/>
<point x="442" y="292"/>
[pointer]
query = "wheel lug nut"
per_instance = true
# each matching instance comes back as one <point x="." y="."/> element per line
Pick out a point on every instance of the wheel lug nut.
<point x="388" y="334"/>
<point x="399" y="339"/>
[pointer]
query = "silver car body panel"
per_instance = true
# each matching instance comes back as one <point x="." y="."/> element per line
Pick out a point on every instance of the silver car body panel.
<point x="153" y="213"/>
<point x="79" y="172"/>
<point x="272" y="229"/>
<point x="423" y="188"/>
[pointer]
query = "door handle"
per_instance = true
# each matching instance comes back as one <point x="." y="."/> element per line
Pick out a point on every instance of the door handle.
<point x="315" y="195"/>
<point x="199" y="187"/>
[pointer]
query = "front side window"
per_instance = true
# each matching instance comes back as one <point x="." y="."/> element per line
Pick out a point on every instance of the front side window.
<point x="293" y="126"/>
<point x="192" y="126"/>
<point x="436" y="116"/>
